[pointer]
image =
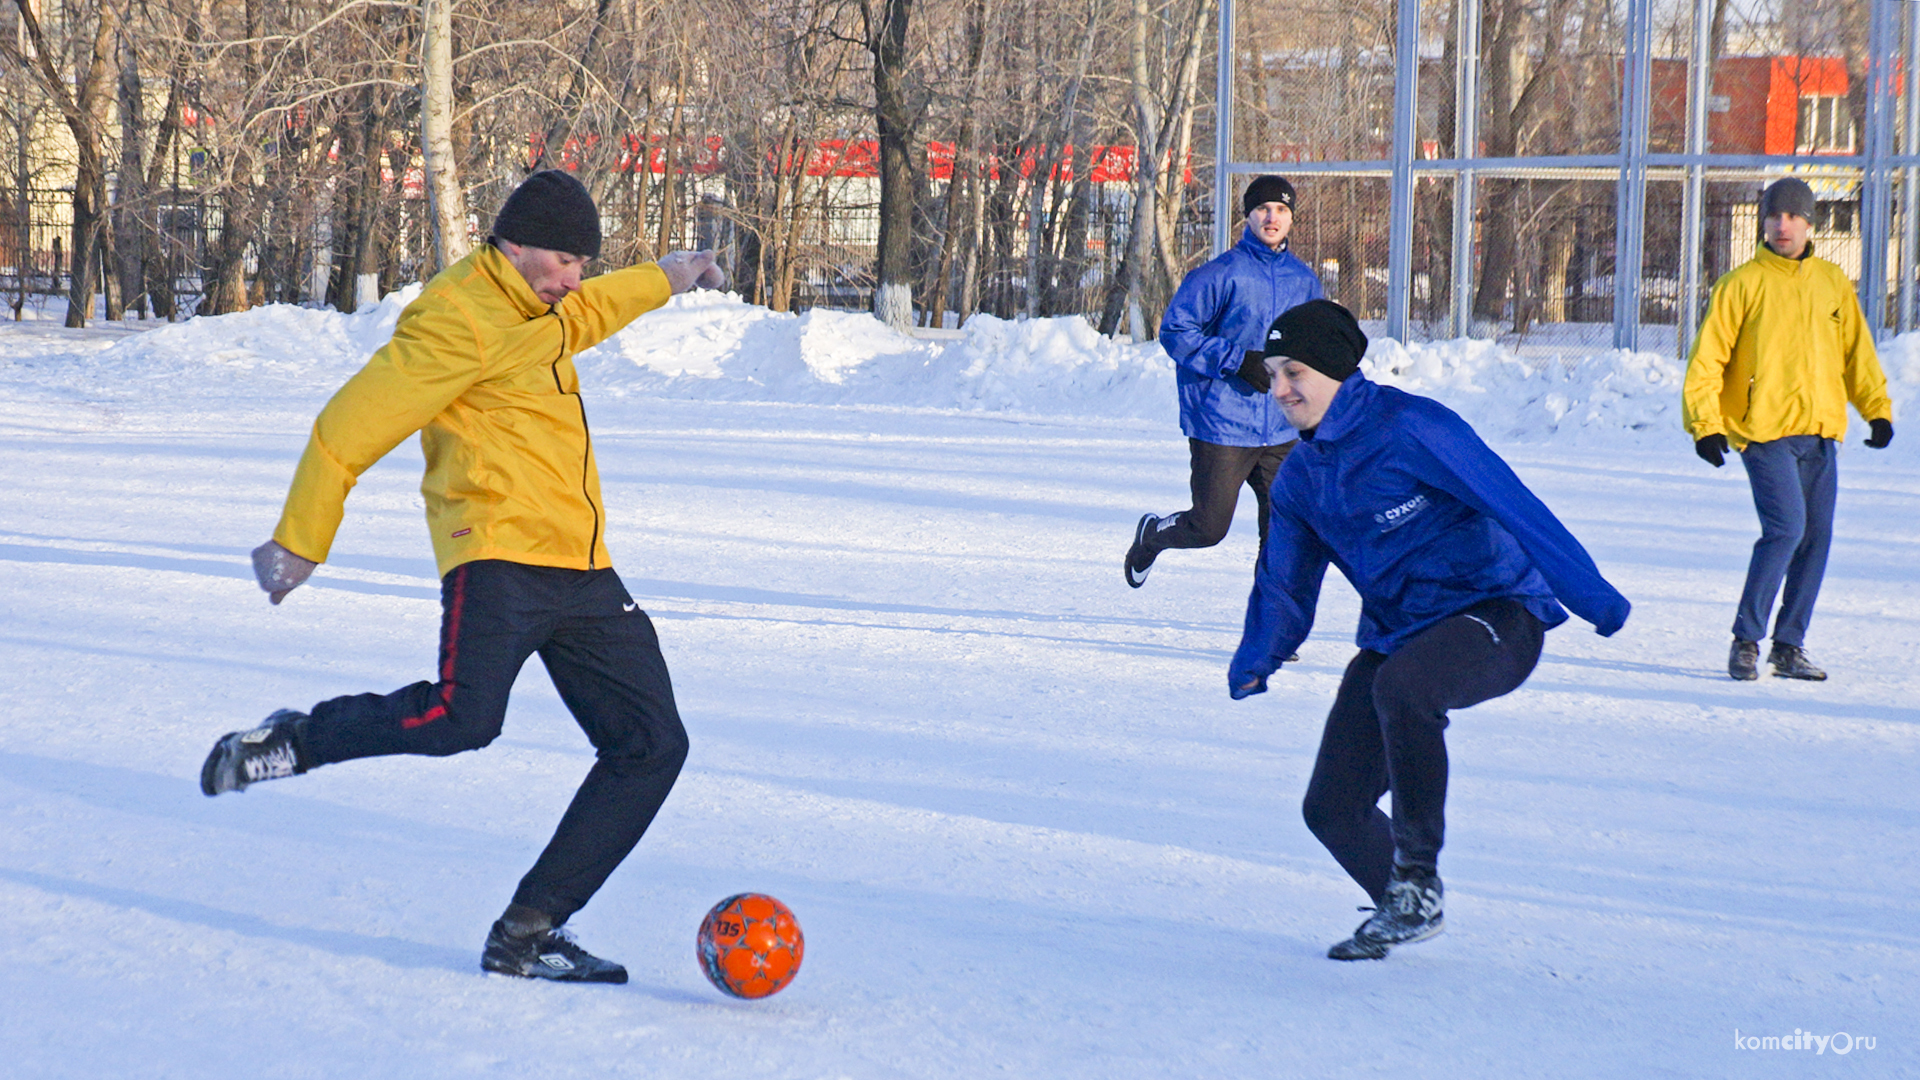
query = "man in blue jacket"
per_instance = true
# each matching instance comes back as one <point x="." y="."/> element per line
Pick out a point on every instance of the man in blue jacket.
<point x="1213" y="330"/>
<point x="1461" y="571"/>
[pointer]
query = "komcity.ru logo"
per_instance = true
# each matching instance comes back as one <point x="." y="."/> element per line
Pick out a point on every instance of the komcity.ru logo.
<point x="1839" y="1042"/>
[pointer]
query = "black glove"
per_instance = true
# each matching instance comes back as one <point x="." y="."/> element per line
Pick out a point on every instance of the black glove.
<point x="1253" y="368"/>
<point x="1882" y="433"/>
<point x="1712" y="449"/>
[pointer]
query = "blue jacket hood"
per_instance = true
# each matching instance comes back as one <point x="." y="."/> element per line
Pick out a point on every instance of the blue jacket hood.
<point x="1221" y="310"/>
<point x="1423" y="519"/>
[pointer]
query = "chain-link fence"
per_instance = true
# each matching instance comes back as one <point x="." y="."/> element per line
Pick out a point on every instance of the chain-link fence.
<point x="1515" y="153"/>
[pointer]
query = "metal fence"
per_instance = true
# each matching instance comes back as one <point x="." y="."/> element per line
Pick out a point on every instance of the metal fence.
<point x="33" y="238"/>
<point x="1494" y="167"/>
<point x="35" y="230"/>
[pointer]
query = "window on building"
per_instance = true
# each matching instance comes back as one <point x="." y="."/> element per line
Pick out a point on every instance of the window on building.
<point x="1835" y="217"/>
<point x="1826" y="125"/>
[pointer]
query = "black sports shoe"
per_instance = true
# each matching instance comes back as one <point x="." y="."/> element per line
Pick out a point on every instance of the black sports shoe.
<point x="1743" y="660"/>
<point x="241" y="758"/>
<point x="1140" y="557"/>
<point x="549" y="954"/>
<point x="1412" y="911"/>
<point x="1790" y="662"/>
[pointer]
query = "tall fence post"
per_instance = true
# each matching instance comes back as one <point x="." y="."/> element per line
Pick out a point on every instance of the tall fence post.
<point x="1630" y="198"/>
<point x="1876" y="189"/>
<point x="1910" y="175"/>
<point x="1223" y="119"/>
<point x="1400" y="225"/>
<point x="1466" y="145"/>
<point x="1693" y="210"/>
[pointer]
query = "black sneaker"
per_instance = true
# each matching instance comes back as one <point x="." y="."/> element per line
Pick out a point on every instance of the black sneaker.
<point x="1412" y="911"/>
<point x="549" y="954"/>
<point x="241" y="758"/>
<point x="1790" y="662"/>
<point x="1743" y="660"/>
<point x="1140" y="557"/>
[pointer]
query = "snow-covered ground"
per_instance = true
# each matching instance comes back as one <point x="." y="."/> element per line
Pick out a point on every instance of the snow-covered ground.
<point x="1025" y="830"/>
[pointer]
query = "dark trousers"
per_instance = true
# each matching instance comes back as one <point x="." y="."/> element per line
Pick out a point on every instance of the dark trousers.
<point x="1218" y="472"/>
<point x="604" y="658"/>
<point x="1794" y="483"/>
<point x="1387" y="733"/>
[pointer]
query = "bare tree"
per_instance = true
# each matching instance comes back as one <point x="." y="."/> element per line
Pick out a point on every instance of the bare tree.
<point x="81" y="97"/>
<point x="896" y="113"/>
<point x="963" y="169"/>
<point x="22" y="107"/>
<point x="449" y="201"/>
<point x="1165" y="46"/>
<point x="348" y="138"/>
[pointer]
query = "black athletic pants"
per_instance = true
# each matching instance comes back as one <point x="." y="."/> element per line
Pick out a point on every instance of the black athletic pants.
<point x="604" y="658"/>
<point x="1218" y="472"/>
<point x="1387" y="733"/>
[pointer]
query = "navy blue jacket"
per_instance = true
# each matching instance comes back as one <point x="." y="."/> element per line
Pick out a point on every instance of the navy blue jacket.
<point x="1425" y="521"/>
<point x="1221" y="310"/>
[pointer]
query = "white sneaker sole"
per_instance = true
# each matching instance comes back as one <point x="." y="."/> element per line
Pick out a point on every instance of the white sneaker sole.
<point x="1139" y="539"/>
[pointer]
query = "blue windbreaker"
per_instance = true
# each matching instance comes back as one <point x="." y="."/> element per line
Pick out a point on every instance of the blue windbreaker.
<point x="1425" y="521"/>
<point x="1221" y="310"/>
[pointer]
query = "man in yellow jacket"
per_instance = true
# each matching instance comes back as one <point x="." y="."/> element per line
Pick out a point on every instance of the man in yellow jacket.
<point x="1783" y="349"/>
<point x="481" y="365"/>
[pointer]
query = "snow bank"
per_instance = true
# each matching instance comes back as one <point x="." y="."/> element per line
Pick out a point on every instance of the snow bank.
<point x="717" y="347"/>
<point x="1900" y="357"/>
<point x="277" y="341"/>
<point x="1561" y="397"/>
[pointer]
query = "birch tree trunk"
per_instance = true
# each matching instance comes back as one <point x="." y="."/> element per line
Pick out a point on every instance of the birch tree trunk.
<point x="1177" y="140"/>
<point x="446" y="200"/>
<point x="1162" y="119"/>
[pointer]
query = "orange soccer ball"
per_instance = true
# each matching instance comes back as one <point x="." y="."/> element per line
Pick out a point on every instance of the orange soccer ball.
<point x="750" y="946"/>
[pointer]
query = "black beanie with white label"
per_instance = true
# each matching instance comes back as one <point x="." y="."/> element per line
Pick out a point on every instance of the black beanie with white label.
<point x="1266" y="189"/>
<point x="1320" y="334"/>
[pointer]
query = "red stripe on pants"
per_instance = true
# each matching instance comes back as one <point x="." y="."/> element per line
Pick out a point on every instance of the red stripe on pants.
<point x="452" y="652"/>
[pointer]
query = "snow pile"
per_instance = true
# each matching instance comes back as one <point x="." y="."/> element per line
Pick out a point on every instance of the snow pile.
<point x="278" y="341"/>
<point x="706" y="346"/>
<point x="1563" y="396"/>
<point x="1900" y="357"/>
<point x="717" y="347"/>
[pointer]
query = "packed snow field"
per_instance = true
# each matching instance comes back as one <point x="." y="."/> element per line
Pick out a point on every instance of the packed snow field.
<point x="1024" y="828"/>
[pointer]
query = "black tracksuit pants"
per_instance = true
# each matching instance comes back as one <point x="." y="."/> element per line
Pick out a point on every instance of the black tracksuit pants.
<point x="1218" y="472"/>
<point x="1386" y="732"/>
<point x="604" y="658"/>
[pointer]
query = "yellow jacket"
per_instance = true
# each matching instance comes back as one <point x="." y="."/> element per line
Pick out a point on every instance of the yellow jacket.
<point x="1783" y="349"/>
<point x="483" y="370"/>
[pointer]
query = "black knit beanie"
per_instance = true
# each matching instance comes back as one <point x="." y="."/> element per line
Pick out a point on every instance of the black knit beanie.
<point x="551" y="210"/>
<point x="1320" y="334"/>
<point x="1788" y="196"/>
<point x="1266" y="189"/>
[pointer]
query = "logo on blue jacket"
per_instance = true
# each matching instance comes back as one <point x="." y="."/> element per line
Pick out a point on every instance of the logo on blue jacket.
<point x="1397" y="516"/>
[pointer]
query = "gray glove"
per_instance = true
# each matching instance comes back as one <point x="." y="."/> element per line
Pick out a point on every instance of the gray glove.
<point x="278" y="570"/>
<point x="692" y="269"/>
